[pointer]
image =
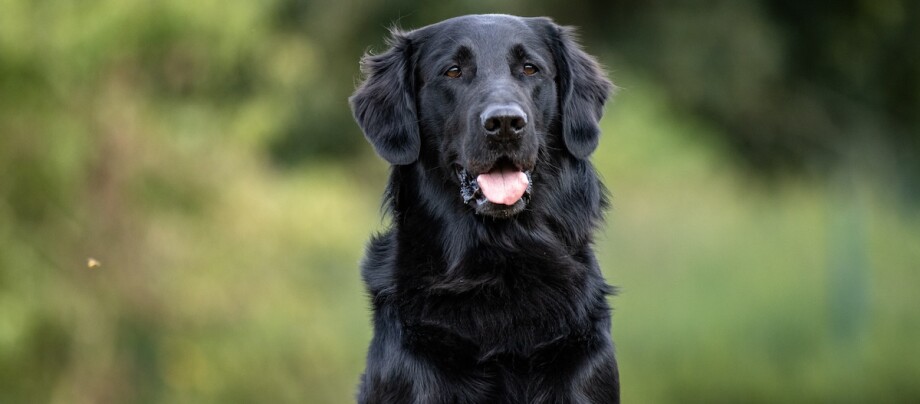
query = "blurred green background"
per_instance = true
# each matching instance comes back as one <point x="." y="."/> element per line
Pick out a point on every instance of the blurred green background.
<point x="763" y="157"/>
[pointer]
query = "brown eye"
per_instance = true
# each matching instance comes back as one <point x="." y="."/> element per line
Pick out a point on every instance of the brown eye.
<point x="453" y="72"/>
<point x="529" y="69"/>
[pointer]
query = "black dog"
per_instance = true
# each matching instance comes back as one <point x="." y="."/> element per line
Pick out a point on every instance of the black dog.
<point x="485" y="289"/>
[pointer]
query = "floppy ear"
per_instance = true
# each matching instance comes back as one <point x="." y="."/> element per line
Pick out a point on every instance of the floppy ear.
<point x="583" y="90"/>
<point x="384" y="104"/>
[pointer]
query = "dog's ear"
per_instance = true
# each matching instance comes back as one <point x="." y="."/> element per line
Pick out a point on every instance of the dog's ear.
<point x="583" y="89"/>
<point x="384" y="104"/>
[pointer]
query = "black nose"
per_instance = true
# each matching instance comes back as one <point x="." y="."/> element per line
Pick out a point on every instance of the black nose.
<point x="506" y="120"/>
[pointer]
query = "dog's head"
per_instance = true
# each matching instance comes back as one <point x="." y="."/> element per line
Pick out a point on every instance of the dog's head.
<point x="483" y="97"/>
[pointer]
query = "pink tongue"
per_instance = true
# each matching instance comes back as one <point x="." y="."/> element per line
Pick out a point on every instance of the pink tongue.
<point x="503" y="186"/>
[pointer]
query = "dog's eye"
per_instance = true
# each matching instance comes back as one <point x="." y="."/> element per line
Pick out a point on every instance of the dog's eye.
<point x="453" y="72"/>
<point x="529" y="69"/>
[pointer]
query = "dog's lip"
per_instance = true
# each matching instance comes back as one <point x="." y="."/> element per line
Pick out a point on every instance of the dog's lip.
<point x="501" y="162"/>
<point x="508" y="162"/>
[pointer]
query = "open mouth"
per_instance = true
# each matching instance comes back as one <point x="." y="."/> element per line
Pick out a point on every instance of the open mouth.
<point x="503" y="190"/>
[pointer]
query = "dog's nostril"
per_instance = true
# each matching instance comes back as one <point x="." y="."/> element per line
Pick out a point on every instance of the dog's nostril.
<point x="518" y="122"/>
<point x="492" y="124"/>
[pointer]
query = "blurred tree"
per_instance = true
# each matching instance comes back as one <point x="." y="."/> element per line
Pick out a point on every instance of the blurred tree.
<point x="795" y="86"/>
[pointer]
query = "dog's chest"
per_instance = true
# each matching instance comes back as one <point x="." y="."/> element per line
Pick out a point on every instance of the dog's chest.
<point x="515" y="318"/>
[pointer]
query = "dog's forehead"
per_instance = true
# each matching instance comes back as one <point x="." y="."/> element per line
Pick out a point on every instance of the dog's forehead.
<point x="482" y="24"/>
<point x="491" y="34"/>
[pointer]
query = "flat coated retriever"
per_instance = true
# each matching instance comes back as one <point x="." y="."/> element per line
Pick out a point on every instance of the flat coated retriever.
<point x="485" y="288"/>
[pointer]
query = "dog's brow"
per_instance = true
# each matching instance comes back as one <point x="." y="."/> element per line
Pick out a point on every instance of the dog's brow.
<point x="519" y="52"/>
<point x="463" y="54"/>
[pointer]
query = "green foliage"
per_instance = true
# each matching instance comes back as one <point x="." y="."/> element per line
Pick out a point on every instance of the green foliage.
<point x="147" y="136"/>
<point x="732" y="289"/>
<point x="795" y="86"/>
